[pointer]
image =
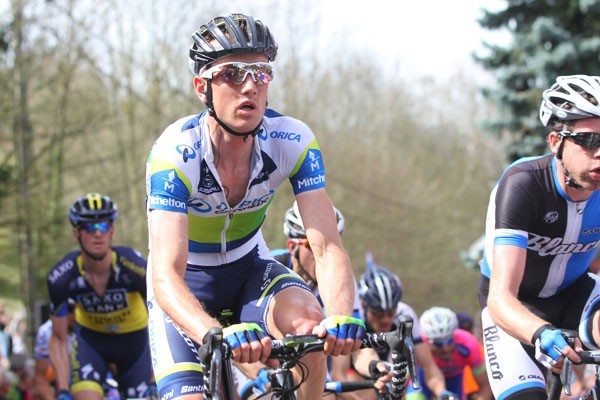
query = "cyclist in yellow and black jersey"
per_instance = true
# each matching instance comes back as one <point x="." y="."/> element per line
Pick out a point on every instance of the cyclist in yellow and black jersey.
<point x="108" y="287"/>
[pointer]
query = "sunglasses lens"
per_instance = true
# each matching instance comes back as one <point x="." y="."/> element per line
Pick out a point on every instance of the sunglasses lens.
<point x="591" y="140"/>
<point x="443" y="343"/>
<point x="237" y="73"/>
<point x="103" y="227"/>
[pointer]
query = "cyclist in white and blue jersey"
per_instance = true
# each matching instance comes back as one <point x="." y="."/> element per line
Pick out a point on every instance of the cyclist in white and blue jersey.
<point x="543" y="228"/>
<point x="210" y="179"/>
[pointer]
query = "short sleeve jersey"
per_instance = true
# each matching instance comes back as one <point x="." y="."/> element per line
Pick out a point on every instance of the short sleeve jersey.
<point x="181" y="177"/>
<point x="467" y="351"/>
<point x="528" y="208"/>
<point x="122" y="309"/>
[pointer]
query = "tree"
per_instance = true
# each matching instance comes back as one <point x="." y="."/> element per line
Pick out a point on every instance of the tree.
<point x="408" y="171"/>
<point x="549" y="38"/>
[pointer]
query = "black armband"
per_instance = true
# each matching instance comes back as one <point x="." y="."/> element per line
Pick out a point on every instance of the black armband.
<point x="538" y="332"/>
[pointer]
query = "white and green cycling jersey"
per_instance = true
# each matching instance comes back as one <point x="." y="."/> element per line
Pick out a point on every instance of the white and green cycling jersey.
<point x="181" y="177"/>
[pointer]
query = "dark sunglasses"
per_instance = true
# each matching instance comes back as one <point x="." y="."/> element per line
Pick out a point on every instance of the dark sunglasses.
<point x="589" y="140"/>
<point x="89" y="227"/>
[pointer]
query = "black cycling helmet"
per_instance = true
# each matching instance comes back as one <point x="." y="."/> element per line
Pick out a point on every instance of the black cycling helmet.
<point x="379" y="288"/>
<point x="227" y="35"/>
<point x="92" y="207"/>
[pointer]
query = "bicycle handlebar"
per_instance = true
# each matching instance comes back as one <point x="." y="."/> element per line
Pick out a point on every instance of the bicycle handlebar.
<point x="291" y="349"/>
<point x="587" y="357"/>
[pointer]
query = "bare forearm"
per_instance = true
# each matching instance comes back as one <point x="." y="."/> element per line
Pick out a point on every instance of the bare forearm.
<point x="43" y="390"/>
<point x="362" y="359"/>
<point x="434" y="378"/>
<point x="59" y="355"/>
<point x="336" y="284"/>
<point x="509" y="314"/>
<point x="504" y="306"/>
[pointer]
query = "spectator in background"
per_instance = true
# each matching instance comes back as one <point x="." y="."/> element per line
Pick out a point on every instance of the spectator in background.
<point x="17" y="330"/>
<point x="5" y="338"/>
<point x="21" y="368"/>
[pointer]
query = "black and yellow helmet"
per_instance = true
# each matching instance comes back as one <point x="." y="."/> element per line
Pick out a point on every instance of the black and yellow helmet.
<point x="91" y="208"/>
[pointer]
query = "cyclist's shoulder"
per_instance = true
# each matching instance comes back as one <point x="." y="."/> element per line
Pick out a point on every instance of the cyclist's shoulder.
<point x="42" y="340"/>
<point x="466" y="337"/>
<point x="45" y="330"/>
<point x="181" y="138"/>
<point x="405" y="310"/>
<point x="284" y="131"/>
<point x="126" y="255"/>
<point x="467" y="345"/>
<point x="188" y="126"/>
<point x="527" y="168"/>
<point x="281" y="255"/>
<point x="65" y="268"/>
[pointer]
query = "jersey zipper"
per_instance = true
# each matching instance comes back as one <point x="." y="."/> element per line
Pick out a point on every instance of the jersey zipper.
<point x="224" y="234"/>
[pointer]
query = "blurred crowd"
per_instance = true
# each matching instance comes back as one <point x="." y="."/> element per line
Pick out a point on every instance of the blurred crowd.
<point x="16" y="364"/>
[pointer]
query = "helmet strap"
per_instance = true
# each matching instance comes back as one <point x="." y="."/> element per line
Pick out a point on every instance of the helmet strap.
<point x="569" y="181"/>
<point x="312" y="282"/>
<point x="211" y="111"/>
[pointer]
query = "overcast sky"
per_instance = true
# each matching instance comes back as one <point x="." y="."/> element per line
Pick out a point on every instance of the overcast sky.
<point x="415" y="38"/>
<point x="429" y="37"/>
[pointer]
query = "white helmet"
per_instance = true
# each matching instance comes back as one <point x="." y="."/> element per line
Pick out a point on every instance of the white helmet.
<point x="293" y="228"/>
<point x="564" y="100"/>
<point x="438" y="323"/>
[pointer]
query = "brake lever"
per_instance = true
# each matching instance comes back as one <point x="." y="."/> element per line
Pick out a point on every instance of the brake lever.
<point x="407" y="327"/>
<point x="565" y="374"/>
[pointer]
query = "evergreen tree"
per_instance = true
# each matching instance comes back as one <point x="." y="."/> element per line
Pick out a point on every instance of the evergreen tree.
<point x="549" y="38"/>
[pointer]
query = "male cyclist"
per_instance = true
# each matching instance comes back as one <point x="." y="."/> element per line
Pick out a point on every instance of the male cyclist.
<point x="210" y="180"/>
<point x="298" y="256"/>
<point x="108" y="286"/>
<point x="466" y="323"/>
<point x="452" y="350"/>
<point x="380" y="292"/>
<point x="543" y="228"/>
<point x="44" y="377"/>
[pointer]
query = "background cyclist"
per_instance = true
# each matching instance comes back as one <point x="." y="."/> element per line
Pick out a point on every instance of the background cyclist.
<point x="452" y="350"/>
<point x="44" y="378"/>
<point x="466" y="323"/>
<point x="210" y="180"/>
<point x="380" y="292"/>
<point x="298" y="256"/>
<point x="541" y="235"/>
<point x="108" y="286"/>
